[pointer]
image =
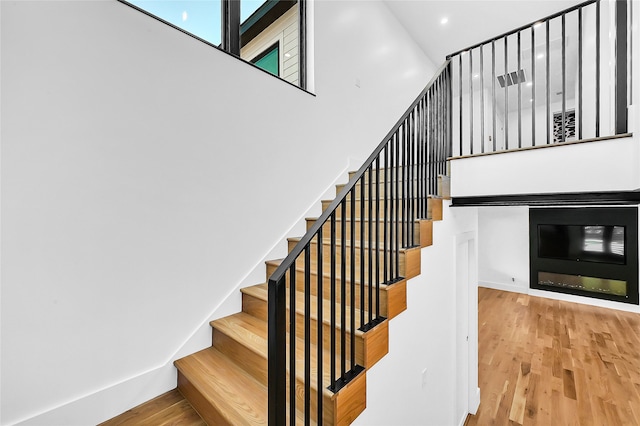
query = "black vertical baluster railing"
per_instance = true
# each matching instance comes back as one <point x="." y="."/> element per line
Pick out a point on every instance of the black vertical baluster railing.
<point x="363" y="248"/>
<point x="307" y="334"/>
<point x="352" y="276"/>
<point x="319" y="308"/>
<point x="566" y="81"/>
<point x="363" y="234"/>
<point x="343" y="291"/>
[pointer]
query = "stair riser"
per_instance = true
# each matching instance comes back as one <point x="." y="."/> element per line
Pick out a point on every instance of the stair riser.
<point x="208" y="412"/>
<point x="326" y="290"/>
<point x="255" y="364"/>
<point x="377" y="232"/>
<point x="394" y="209"/>
<point x="393" y="299"/>
<point x="389" y="188"/>
<point x="396" y="264"/>
<point x="394" y="173"/>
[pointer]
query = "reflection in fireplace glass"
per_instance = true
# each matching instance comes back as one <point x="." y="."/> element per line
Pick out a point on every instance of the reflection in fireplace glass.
<point x="578" y="282"/>
<point x="594" y="239"/>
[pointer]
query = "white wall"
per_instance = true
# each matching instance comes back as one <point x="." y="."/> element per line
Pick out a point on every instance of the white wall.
<point x="427" y="336"/>
<point x="608" y="165"/>
<point x="145" y="174"/>
<point x="503" y="261"/>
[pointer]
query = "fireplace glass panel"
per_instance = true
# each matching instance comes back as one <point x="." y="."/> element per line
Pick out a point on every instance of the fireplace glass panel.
<point x="579" y="282"/>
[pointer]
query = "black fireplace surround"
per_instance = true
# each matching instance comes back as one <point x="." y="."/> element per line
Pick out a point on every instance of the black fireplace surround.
<point x="589" y="251"/>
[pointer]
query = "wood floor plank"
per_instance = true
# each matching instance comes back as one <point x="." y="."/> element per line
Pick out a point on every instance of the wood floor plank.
<point x="170" y="408"/>
<point x="547" y="362"/>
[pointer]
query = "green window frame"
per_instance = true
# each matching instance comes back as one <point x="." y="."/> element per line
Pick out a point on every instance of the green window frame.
<point x="269" y="60"/>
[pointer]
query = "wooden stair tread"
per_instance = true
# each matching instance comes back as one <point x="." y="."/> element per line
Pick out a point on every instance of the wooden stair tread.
<point x="239" y="398"/>
<point x="169" y="408"/>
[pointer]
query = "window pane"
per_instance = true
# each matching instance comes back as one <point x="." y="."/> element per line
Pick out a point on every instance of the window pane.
<point x="198" y="17"/>
<point x="265" y="23"/>
<point x="270" y="61"/>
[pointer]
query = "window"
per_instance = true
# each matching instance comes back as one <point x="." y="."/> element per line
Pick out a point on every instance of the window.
<point x="269" y="60"/>
<point x="268" y="33"/>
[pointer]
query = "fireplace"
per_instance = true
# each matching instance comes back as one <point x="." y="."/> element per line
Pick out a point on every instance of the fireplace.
<point x="589" y="251"/>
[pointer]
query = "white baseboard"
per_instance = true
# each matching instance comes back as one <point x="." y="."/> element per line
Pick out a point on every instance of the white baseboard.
<point x="474" y="402"/>
<point x="504" y="287"/>
<point x="105" y="403"/>
<point x="109" y="402"/>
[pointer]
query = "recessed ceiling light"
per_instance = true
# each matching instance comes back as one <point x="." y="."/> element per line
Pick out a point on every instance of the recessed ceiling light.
<point x="540" y="55"/>
<point x="287" y="55"/>
<point x="537" y="24"/>
<point x="530" y="99"/>
<point x="444" y="20"/>
<point x="185" y="16"/>
<point x="476" y="75"/>
<point x="530" y="83"/>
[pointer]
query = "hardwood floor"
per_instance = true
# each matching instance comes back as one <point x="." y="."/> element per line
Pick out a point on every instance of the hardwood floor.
<point x="169" y="409"/>
<point x="546" y="362"/>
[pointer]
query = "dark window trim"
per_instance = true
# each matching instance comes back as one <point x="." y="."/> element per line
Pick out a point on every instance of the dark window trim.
<point x="302" y="42"/>
<point x="265" y="52"/>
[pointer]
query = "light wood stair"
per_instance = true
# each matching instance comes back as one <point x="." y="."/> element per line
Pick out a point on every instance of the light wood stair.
<point x="226" y="384"/>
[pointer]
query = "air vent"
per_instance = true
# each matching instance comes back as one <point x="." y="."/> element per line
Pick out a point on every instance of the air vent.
<point x="515" y="77"/>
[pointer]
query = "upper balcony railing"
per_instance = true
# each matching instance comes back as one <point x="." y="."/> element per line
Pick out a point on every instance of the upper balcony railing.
<point x="558" y="79"/>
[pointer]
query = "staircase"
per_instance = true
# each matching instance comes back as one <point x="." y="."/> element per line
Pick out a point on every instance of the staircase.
<point x="226" y="384"/>
<point x="324" y="311"/>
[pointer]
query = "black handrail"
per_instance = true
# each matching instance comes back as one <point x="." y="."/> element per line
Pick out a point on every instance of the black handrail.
<point x="524" y="27"/>
<point x="414" y="153"/>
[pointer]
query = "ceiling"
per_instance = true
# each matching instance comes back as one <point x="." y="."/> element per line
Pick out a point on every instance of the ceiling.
<point x="468" y="21"/>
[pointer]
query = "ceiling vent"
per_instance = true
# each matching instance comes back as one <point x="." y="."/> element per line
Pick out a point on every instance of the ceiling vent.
<point x="515" y="77"/>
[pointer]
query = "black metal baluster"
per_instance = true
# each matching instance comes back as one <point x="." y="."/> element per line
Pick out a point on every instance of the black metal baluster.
<point x="343" y="290"/>
<point x="385" y="218"/>
<point x="533" y="85"/>
<point x="620" y="76"/>
<point x="598" y="68"/>
<point x="433" y="149"/>
<point x="319" y="360"/>
<point x="519" y="93"/>
<point x="362" y="240"/>
<point x="292" y="344"/>
<point x="377" y="238"/>
<point x="418" y="158"/>
<point x="460" y="100"/>
<point x="392" y="222"/>
<point x="352" y="232"/>
<point x="334" y="296"/>
<point x="506" y="93"/>
<point x="397" y="205"/>
<point x="493" y="91"/>
<point x="580" y="73"/>
<point x="482" y="99"/>
<point x="277" y="348"/>
<point x="411" y="173"/>
<point x="307" y="334"/>
<point x="548" y="83"/>
<point x="564" y="78"/>
<point x="370" y="244"/>
<point x="472" y="130"/>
